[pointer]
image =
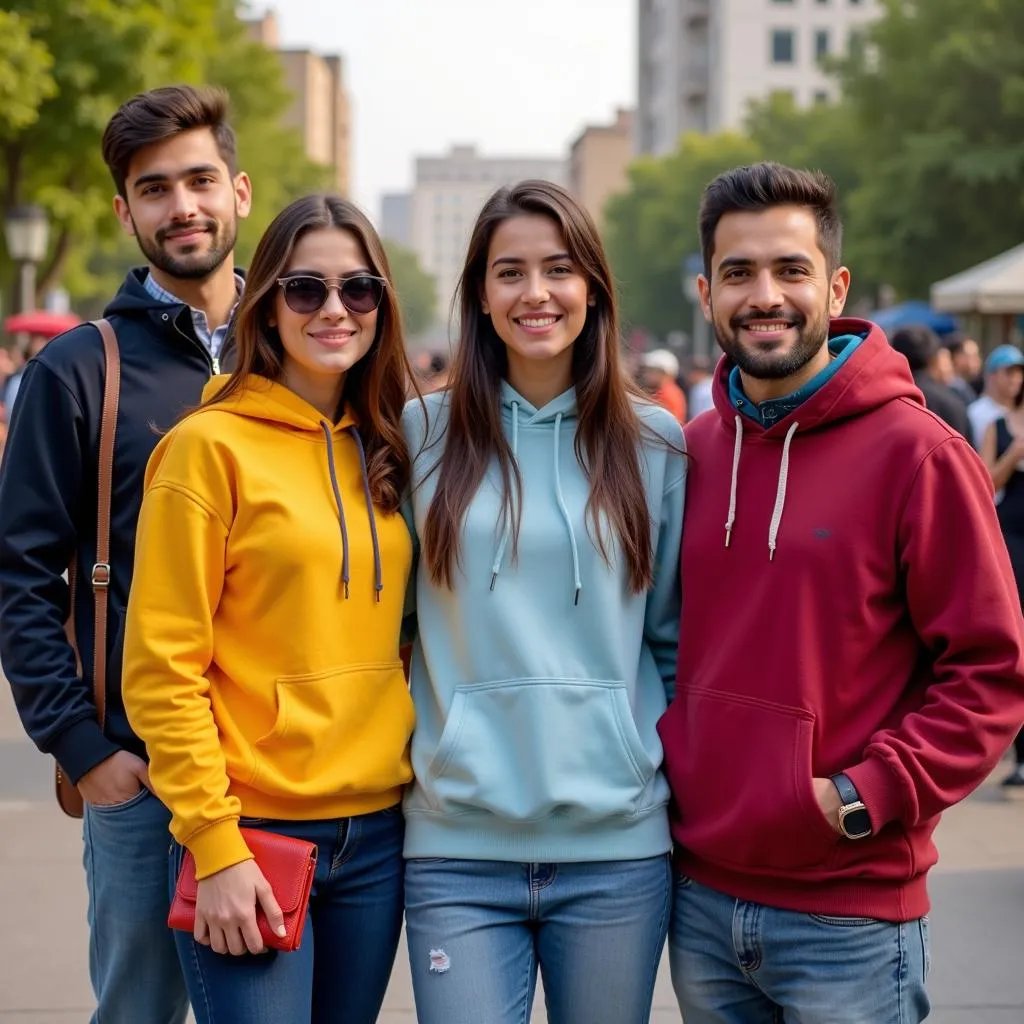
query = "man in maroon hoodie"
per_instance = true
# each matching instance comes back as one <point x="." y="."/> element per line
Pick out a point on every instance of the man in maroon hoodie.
<point x="850" y="658"/>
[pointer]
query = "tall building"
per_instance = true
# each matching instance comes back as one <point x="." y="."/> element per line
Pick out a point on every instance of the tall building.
<point x="396" y="217"/>
<point x="598" y="161"/>
<point x="448" y="195"/>
<point x="701" y="62"/>
<point x="320" y="109"/>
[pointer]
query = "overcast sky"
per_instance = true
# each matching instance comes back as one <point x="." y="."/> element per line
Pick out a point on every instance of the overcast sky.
<point x="516" y="77"/>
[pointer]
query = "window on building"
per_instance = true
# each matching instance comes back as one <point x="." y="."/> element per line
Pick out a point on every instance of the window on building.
<point x="822" y="43"/>
<point x="783" y="46"/>
<point x="782" y="1"/>
<point x="821" y="96"/>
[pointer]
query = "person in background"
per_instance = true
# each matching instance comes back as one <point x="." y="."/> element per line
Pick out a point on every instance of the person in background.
<point x="966" y="358"/>
<point x="658" y="372"/>
<point x="923" y="351"/>
<point x="33" y="346"/>
<point x="261" y="650"/>
<point x="1003" y="451"/>
<point x="699" y="381"/>
<point x="1004" y="377"/>
<point x="180" y="193"/>
<point x="548" y="503"/>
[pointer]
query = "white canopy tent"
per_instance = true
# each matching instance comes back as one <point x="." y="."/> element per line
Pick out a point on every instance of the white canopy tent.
<point x="992" y="288"/>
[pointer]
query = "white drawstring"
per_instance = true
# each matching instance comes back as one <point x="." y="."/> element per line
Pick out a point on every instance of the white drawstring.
<point x="735" y="480"/>
<point x="507" y="530"/>
<point x="780" y="494"/>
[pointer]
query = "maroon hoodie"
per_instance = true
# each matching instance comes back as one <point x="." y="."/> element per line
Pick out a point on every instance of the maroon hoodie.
<point x="882" y="637"/>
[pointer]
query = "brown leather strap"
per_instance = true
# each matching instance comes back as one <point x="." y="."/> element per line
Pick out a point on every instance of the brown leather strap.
<point x="101" y="570"/>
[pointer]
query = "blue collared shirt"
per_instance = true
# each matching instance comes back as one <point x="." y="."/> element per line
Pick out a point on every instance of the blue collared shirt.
<point x="213" y="340"/>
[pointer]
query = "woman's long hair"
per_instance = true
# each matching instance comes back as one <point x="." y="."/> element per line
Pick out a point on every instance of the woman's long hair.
<point x="376" y="387"/>
<point x="608" y="432"/>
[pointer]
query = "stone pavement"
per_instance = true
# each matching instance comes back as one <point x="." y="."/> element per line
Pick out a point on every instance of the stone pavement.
<point x="978" y="891"/>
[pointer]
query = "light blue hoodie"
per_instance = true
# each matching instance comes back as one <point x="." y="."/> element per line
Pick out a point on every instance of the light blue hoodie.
<point x="538" y="683"/>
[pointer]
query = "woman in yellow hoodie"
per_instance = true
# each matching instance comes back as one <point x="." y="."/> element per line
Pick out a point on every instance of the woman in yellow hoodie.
<point x="262" y="663"/>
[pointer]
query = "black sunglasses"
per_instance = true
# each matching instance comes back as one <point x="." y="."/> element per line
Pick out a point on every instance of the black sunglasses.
<point x="304" y="294"/>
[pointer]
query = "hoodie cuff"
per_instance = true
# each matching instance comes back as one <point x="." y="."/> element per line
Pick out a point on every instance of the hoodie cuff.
<point x="218" y="847"/>
<point x="880" y="791"/>
<point x="81" y="747"/>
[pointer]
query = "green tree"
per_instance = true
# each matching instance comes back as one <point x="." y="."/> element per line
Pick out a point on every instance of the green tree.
<point x="101" y="52"/>
<point x="938" y="94"/>
<point x="416" y="290"/>
<point x="25" y="79"/>
<point x="652" y="228"/>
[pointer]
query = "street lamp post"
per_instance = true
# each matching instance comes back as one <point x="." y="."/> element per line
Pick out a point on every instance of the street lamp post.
<point x="27" y="232"/>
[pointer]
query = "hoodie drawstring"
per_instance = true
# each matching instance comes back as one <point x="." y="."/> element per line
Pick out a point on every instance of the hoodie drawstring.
<point x="565" y="516"/>
<point x="345" y="572"/>
<point x="780" y="493"/>
<point x="737" y="450"/>
<point x="507" y="529"/>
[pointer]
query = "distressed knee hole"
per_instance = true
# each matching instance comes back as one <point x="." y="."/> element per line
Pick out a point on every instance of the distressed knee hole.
<point x="439" y="962"/>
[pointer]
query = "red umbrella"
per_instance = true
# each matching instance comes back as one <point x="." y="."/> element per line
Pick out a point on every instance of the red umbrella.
<point x="41" y="321"/>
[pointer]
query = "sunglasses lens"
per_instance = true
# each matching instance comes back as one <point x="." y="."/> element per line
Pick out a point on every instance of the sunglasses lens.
<point x="305" y="294"/>
<point x="361" y="294"/>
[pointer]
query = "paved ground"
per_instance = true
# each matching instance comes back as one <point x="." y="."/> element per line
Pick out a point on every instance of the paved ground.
<point x="978" y="891"/>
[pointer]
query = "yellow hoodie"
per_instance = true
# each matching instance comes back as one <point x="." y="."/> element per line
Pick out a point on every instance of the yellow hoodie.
<point x="261" y="664"/>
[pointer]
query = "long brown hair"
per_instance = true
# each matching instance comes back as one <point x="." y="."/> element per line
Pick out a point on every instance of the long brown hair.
<point x="608" y="432"/>
<point x="375" y="387"/>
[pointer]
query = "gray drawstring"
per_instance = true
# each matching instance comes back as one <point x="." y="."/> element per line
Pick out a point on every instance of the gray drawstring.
<point x="378" y="573"/>
<point x="737" y="449"/>
<point x="780" y="494"/>
<point x="507" y="529"/>
<point x="565" y="516"/>
<point x="326" y="428"/>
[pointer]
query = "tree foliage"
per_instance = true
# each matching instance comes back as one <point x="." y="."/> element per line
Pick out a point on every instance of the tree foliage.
<point x="926" y="146"/>
<point x="416" y="290"/>
<point x="77" y="61"/>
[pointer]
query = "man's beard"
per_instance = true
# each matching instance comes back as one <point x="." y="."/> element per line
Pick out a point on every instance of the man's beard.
<point x="811" y="335"/>
<point x="191" y="267"/>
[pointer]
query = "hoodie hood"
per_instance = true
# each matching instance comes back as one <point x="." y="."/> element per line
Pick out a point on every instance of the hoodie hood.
<point x="873" y="375"/>
<point x="261" y="399"/>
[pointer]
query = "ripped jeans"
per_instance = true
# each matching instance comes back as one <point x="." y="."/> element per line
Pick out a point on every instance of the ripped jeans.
<point x="479" y="930"/>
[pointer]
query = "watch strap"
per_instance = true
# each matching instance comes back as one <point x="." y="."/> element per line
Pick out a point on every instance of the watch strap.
<point x="847" y="790"/>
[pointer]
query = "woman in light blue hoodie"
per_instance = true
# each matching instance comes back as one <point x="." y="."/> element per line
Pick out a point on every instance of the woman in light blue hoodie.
<point x="548" y="508"/>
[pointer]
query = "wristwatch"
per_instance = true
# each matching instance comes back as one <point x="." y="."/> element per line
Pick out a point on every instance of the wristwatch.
<point x="854" y="820"/>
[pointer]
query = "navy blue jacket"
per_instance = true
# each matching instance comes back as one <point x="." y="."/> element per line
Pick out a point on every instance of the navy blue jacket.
<point x="48" y="507"/>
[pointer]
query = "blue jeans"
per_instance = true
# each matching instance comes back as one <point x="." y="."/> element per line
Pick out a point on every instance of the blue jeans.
<point x="340" y="973"/>
<point x="742" y="963"/>
<point x="478" y="930"/>
<point x="132" y="962"/>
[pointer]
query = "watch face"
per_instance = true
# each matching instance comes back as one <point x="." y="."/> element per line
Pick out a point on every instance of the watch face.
<point x="856" y="824"/>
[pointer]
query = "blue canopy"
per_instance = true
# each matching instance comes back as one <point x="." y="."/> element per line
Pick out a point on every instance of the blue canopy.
<point x="914" y="312"/>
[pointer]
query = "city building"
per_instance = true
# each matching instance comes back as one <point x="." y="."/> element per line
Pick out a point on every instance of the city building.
<point x="701" y="62"/>
<point x="598" y="161"/>
<point x="447" y="197"/>
<point x="396" y="218"/>
<point x="320" y="110"/>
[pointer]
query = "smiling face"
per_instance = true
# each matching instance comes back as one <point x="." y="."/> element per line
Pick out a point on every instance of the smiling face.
<point x="534" y="293"/>
<point x="320" y="347"/>
<point x="770" y="296"/>
<point x="183" y="205"/>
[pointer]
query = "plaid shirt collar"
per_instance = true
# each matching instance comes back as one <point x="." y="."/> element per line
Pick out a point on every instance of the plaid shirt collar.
<point x="213" y="340"/>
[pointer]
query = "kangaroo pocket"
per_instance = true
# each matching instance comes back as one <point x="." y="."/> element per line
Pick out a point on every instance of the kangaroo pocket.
<point x="530" y="749"/>
<point x="342" y="730"/>
<point x="740" y="772"/>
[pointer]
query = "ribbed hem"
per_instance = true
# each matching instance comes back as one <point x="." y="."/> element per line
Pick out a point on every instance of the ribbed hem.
<point x="80" y="747"/>
<point x="862" y="897"/>
<point x="346" y="805"/>
<point x="475" y="836"/>
<point x="218" y="847"/>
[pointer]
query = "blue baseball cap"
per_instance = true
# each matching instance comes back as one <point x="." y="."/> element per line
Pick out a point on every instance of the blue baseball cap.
<point x="1003" y="356"/>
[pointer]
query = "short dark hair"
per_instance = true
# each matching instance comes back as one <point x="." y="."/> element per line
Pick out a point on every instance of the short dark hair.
<point x="161" y="114"/>
<point x="918" y="343"/>
<point x="766" y="185"/>
<point x="955" y="342"/>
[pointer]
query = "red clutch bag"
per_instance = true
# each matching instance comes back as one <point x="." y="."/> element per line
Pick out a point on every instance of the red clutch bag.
<point x="286" y="863"/>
